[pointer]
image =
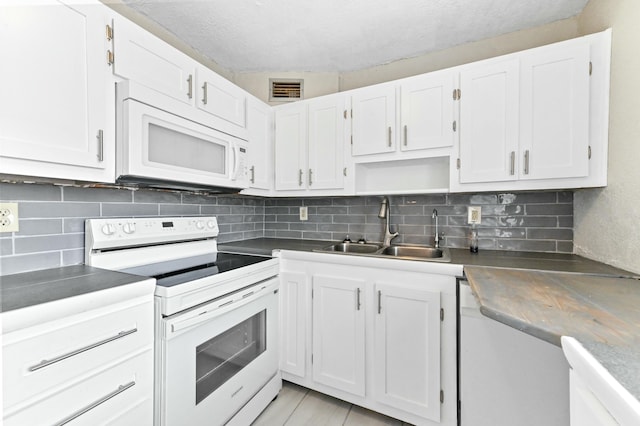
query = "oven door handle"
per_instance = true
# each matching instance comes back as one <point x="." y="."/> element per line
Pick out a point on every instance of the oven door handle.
<point x="219" y="309"/>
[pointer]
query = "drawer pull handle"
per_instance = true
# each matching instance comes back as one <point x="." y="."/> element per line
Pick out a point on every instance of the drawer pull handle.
<point x="48" y="362"/>
<point x="94" y="404"/>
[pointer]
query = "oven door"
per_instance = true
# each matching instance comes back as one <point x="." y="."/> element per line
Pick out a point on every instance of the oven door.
<point x="216" y="357"/>
<point x="154" y="144"/>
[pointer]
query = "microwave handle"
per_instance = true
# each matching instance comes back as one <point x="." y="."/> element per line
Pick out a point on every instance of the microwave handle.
<point x="236" y="161"/>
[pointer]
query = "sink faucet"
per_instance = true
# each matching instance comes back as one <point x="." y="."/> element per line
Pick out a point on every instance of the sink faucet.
<point x="384" y="214"/>
<point x="436" y="240"/>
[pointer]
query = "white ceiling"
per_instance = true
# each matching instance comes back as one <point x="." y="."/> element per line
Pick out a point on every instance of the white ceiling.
<point x="340" y="35"/>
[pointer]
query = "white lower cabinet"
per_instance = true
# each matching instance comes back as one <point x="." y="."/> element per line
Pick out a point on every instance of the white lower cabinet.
<point x="338" y="333"/>
<point x="407" y="349"/>
<point x="94" y="367"/>
<point x="378" y="333"/>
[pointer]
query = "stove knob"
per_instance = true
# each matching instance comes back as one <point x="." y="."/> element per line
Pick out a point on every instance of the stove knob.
<point x="200" y="224"/>
<point x="129" y="228"/>
<point x="211" y="224"/>
<point x="108" y="229"/>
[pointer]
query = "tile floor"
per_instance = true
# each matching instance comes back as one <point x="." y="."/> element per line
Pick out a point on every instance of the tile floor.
<point x="297" y="406"/>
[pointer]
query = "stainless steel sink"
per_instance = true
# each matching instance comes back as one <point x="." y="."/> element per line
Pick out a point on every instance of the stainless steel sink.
<point x="410" y="252"/>
<point x="353" y="248"/>
<point x="413" y="251"/>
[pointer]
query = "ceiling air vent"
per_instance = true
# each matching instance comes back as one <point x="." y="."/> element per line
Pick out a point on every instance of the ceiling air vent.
<point x="285" y="89"/>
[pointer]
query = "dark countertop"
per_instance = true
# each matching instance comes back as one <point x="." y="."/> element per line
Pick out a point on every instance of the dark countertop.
<point x="265" y="246"/>
<point x="33" y="288"/>
<point x="493" y="258"/>
<point x="601" y="312"/>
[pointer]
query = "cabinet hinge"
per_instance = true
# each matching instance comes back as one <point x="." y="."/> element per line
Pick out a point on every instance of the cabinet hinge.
<point x="457" y="94"/>
<point x="351" y="139"/>
<point x="455" y="125"/>
<point x="345" y="114"/>
<point x="351" y="112"/>
<point x="441" y="396"/>
<point x="590" y="67"/>
<point x="441" y="314"/>
<point x="589" y="152"/>
<point x="458" y="164"/>
<point x="344" y="171"/>
<point x="109" y="36"/>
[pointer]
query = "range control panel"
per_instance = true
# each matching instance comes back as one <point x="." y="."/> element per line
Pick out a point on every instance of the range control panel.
<point x="127" y="232"/>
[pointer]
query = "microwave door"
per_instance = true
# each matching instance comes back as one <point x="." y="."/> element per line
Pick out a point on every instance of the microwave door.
<point x="160" y="145"/>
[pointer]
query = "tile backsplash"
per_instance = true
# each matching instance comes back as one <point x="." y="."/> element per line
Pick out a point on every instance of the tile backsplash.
<point x="527" y="221"/>
<point x="52" y="219"/>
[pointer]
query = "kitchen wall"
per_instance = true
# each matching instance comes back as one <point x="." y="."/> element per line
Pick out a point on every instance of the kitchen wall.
<point x="52" y="219"/>
<point x="534" y="221"/>
<point x="608" y="220"/>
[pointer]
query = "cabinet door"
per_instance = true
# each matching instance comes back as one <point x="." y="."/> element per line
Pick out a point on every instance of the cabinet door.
<point x="290" y="146"/>
<point x="220" y="97"/>
<point x="54" y="86"/>
<point x="293" y="322"/>
<point x="554" y="111"/>
<point x="427" y="112"/>
<point x="327" y="117"/>
<point x="407" y="349"/>
<point x="374" y="120"/>
<point x="260" y="144"/>
<point x="489" y="122"/>
<point x="338" y="333"/>
<point x="142" y="57"/>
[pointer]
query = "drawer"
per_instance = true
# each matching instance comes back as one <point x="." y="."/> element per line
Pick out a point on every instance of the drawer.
<point x="120" y="393"/>
<point x="39" y="358"/>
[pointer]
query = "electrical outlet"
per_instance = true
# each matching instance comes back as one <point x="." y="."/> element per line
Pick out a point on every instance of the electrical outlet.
<point x="475" y="215"/>
<point x="304" y="213"/>
<point x="9" y="217"/>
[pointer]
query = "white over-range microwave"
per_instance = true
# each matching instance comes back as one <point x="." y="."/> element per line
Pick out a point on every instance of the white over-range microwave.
<point x="165" y="143"/>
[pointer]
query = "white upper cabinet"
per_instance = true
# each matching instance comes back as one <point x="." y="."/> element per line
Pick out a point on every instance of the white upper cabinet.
<point x="327" y="117"/>
<point x="374" y="120"/>
<point x="291" y="147"/>
<point x="55" y="113"/>
<point x="426" y="111"/>
<point x="554" y="111"/>
<point x="489" y="121"/>
<point x="535" y="119"/>
<point x="259" y="124"/>
<point x="310" y="145"/>
<point x="220" y="97"/>
<point x="142" y="57"/>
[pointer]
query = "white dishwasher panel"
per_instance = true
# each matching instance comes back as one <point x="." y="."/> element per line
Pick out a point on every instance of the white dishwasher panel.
<point x="506" y="376"/>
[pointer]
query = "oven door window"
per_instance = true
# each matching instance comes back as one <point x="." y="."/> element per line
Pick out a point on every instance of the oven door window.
<point x="220" y="358"/>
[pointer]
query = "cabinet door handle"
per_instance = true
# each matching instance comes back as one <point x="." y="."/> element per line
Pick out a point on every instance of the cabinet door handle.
<point x="190" y="86"/>
<point x="100" y="137"/>
<point x="379" y="301"/>
<point x="94" y="404"/>
<point x="253" y="174"/>
<point x="310" y="177"/>
<point x="48" y="362"/>
<point x="389" y="136"/>
<point x="358" y="299"/>
<point x="299" y="177"/>
<point x="406" y="141"/>
<point x="513" y="163"/>
<point x="204" y="94"/>
<point x="526" y="162"/>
